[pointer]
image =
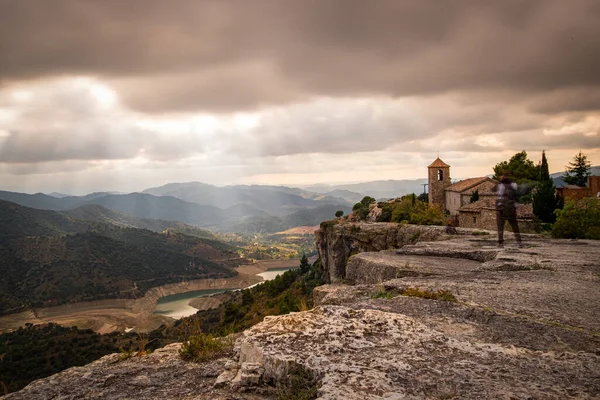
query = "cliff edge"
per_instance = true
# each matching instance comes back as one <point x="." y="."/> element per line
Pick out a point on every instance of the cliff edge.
<point x="412" y="313"/>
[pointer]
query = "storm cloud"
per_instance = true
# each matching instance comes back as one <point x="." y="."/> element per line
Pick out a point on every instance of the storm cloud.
<point x="278" y="91"/>
<point x="205" y="55"/>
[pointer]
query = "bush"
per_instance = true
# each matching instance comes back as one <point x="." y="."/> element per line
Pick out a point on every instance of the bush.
<point x="203" y="347"/>
<point x="578" y="220"/>
<point x="362" y="208"/>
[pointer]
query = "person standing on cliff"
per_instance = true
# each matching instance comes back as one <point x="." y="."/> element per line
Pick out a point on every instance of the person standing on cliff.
<point x="506" y="208"/>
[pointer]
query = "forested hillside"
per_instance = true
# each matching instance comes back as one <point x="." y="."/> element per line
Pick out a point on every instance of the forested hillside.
<point x="47" y="258"/>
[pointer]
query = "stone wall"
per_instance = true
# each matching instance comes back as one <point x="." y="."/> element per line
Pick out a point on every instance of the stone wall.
<point x="486" y="219"/>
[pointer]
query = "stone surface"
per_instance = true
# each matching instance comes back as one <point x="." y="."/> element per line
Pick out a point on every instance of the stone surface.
<point x="526" y="325"/>
<point x="338" y="240"/>
<point x="160" y="375"/>
<point x="373" y="354"/>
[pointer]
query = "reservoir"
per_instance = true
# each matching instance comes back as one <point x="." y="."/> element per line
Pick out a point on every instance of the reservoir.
<point x="176" y="305"/>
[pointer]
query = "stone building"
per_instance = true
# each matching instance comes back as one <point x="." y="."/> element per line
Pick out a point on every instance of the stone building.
<point x="450" y="196"/>
<point x="459" y="194"/>
<point x="572" y="192"/>
<point x="438" y="181"/>
<point x="481" y="214"/>
<point x="455" y="199"/>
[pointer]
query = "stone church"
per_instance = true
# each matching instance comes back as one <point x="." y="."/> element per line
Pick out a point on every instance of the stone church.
<point x="455" y="198"/>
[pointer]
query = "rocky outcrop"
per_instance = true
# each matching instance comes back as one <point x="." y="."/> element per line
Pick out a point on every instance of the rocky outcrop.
<point x="338" y="240"/>
<point x="160" y="375"/>
<point x="519" y="324"/>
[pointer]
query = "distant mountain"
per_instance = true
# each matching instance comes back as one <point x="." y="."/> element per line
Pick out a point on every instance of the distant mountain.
<point x="18" y="221"/>
<point x="272" y="224"/>
<point x="97" y="213"/>
<point x="350" y="196"/>
<point x="58" y="195"/>
<point x="136" y="204"/>
<point x="49" y="258"/>
<point x="378" y="189"/>
<point x="560" y="182"/>
<point x="244" y="210"/>
<point x="275" y="200"/>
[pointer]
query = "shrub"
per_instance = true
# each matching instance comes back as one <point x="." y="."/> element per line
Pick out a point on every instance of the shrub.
<point x="578" y="220"/>
<point x="301" y="384"/>
<point x="203" y="347"/>
<point x="362" y="208"/>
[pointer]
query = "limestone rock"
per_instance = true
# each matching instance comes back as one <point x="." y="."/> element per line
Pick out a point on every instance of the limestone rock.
<point x="372" y="354"/>
<point x="160" y="375"/>
<point x="338" y="240"/>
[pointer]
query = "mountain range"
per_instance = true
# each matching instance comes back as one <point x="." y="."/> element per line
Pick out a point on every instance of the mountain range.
<point x="237" y="208"/>
<point x="231" y="208"/>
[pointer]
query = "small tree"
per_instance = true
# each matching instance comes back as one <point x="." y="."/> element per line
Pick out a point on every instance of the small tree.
<point x="474" y="196"/>
<point x="339" y="213"/>
<point x="362" y="207"/>
<point x="520" y="168"/>
<point x="578" y="171"/>
<point x="304" y="264"/>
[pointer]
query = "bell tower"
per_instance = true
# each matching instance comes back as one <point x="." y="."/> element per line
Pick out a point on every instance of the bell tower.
<point x="439" y="179"/>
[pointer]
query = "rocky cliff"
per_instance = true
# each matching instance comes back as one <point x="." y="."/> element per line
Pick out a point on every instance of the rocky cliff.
<point x="338" y="240"/>
<point x="445" y="319"/>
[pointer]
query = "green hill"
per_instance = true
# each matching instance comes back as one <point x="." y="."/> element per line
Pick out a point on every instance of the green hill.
<point x="97" y="213"/>
<point x="48" y="258"/>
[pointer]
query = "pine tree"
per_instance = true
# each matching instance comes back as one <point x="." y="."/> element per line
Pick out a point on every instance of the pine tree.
<point x="578" y="170"/>
<point x="304" y="264"/>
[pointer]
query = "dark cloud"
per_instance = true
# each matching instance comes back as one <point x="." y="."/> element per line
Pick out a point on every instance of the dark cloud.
<point x="209" y="55"/>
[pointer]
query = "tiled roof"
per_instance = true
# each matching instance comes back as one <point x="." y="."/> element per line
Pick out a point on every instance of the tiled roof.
<point x="438" y="164"/>
<point x="466" y="184"/>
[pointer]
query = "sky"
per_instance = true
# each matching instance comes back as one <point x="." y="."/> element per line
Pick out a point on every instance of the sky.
<point x="123" y="95"/>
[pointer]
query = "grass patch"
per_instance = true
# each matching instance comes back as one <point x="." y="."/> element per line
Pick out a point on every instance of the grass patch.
<point x="383" y="295"/>
<point x="203" y="347"/>
<point x="442" y="294"/>
<point x="479" y="233"/>
<point x="301" y="384"/>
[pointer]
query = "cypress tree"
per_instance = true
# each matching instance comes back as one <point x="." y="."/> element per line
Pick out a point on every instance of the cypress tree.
<point x="544" y="172"/>
<point x="544" y="198"/>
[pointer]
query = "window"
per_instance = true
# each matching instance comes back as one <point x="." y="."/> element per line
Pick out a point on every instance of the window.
<point x="440" y="175"/>
<point x="474" y="220"/>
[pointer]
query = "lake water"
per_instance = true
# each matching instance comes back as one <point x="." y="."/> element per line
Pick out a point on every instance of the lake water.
<point x="176" y="305"/>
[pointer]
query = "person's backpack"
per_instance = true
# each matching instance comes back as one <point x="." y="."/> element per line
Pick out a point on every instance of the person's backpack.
<point x="511" y="194"/>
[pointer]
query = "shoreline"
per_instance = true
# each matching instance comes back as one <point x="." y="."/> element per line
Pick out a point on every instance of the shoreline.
<point x="109" y="315"/>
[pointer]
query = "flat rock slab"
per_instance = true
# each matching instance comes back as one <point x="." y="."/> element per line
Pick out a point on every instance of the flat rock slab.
<point x="372" y="354"/>
<point x="551" y="281"/>
<point x="377" y="267"/>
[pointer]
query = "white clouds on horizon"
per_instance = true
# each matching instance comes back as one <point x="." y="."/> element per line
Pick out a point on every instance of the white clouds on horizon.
<point x="76" y="130"/>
